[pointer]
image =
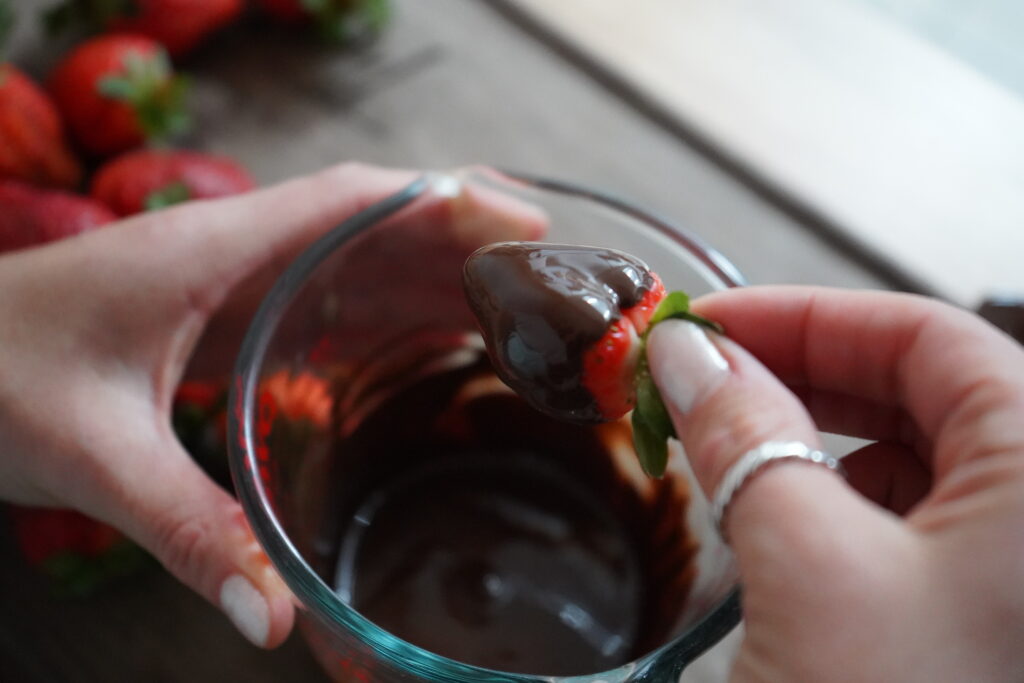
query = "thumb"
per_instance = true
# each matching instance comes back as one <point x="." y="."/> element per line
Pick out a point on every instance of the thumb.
<point x="723" y="403"/>
<point x="199" y="533"/>
<point x="205" y="248"/>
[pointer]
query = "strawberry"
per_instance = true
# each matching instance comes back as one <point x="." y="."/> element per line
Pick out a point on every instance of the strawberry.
<point x="77" y="553"/>
<point x="179" y="25"/>
<point x="32" y="146"/>
<point x="338" y="21"/>
<point x="30" y="216"/>
<point x="152" y="179"/>
<point x="565" y="327"/>
<point x="118" y="91"/>
<point x="302" y="397"/>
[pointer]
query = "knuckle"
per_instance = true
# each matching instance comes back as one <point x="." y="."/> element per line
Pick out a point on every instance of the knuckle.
<point x="181" y="543"/>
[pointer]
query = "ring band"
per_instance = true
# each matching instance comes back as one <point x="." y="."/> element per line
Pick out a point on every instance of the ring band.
<point x="753" y="461"/>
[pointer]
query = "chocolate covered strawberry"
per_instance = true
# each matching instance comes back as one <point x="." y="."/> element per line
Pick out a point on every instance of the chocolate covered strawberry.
<point x="118" y="91"/>
<point x="338" y="21"/>
<point x="565" y="327"/>
<point x="31" y="216"/>
<point x="179" y="25"/>
<point x="152" y="179"/>
<point x="32" y="146"/>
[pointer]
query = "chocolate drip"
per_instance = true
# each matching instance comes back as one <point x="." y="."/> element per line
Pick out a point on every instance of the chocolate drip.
<point x="540" y="306"/>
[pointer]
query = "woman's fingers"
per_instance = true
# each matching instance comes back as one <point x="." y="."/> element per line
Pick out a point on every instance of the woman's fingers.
<point x="960" y="380"/>
<point x="724" y="403"/>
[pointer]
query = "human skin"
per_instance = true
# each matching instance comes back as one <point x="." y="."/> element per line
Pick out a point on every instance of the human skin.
<point x="836" y="585"/>
<point x="97" y="331"/>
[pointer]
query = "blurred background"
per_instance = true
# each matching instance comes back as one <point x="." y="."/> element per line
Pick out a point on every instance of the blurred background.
<point x="852" y="143"/>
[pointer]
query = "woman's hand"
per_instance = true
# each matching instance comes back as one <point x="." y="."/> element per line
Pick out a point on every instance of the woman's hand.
<point x="835" y="586"/>
<point x="96" y="332"/>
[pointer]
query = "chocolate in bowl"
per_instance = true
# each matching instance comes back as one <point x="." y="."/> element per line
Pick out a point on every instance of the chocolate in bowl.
<point x="484" y="531"/>
<point x="285" y="471"/>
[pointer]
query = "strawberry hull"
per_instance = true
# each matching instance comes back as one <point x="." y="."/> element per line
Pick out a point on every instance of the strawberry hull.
<point x="562" y="323"/>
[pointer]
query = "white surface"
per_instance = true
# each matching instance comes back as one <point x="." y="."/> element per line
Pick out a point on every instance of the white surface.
<point x="913" y="153"/>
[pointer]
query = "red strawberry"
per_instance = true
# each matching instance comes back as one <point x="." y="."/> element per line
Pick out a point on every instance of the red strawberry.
<point x="77" y="553"/>
<point x="30" y="216"/>
<point x="339" y="21"/>
<point x="32" y="144"/>
<point x="202" y="395"/>
<point x="117" y="91"/>
<point x="42" y="533"/>
<point x="151" y="179"/>
<point x="179" y="25"/>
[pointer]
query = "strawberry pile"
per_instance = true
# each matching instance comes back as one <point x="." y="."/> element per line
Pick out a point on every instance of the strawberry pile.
<point x="149" y="179"/>
<point x="566" y="326"/>
<point x="95" y="144"/>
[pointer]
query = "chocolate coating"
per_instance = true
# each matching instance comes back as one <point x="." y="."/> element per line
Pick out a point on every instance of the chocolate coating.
<point x="541" y="306"/>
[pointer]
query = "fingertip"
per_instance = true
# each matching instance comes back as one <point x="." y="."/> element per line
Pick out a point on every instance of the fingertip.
<point x="246" y="607"/>
<point x="258" y="603"/>
<point x="481" y="215"/>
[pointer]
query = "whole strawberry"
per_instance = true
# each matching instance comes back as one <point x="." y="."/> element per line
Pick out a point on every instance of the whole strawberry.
<point x="32" y="146"/>
<point x="151" y="179"/>
<point x="338" y="21"/>
<point x="565" y="327"/>
<point x="31" y="216"/>
<point x="118" y="91"/>
<point x="179" y="25"/>
<point x="563" y="323"/>
<point x="78" y="554"/>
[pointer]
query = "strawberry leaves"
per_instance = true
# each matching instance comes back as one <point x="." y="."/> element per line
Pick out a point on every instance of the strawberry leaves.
<point x="343" y="22"/>
<point x="652" y="426"/>
<point x="168" y="195"/>
<point x="94" y="15"/>
<point x="6" y="22"/>
<point x="148" y="84"/>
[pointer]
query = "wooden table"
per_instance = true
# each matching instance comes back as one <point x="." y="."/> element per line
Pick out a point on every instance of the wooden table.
<point x="453" y="82"/>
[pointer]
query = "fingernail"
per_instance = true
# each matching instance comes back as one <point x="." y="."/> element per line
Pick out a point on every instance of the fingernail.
<point x="246" y="607"/>
<point x="685" y="364"/>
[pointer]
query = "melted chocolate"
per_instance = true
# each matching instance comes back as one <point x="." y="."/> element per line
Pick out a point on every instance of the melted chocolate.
<point x="541" y="306"/>
<point x="482" y="530"/>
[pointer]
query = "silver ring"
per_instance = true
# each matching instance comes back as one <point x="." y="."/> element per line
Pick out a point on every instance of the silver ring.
<point x="753" y="461"/>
